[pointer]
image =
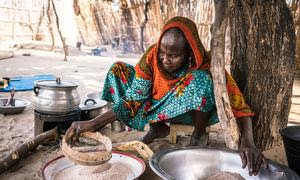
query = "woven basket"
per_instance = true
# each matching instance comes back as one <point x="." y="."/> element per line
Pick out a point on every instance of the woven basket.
<point x="88" y="158"/>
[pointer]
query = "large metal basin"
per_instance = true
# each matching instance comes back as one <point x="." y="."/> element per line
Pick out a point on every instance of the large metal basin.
<point x="197" y="163"/>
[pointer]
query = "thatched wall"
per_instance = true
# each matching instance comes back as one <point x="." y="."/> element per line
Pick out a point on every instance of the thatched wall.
<point x="24" y="21"/>
<point x="201" y="11"/>
<point x="101" y="21"/>
<point x="159" y="12"/>
<point x="20" y="20"/>
<point x="124" y="20"/>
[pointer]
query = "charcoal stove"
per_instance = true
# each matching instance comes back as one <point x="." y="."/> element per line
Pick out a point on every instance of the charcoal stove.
<point x="44" y="122"/>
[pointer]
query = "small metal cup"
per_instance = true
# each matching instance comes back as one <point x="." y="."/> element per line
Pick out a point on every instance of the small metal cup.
<point x="117" y="126"/>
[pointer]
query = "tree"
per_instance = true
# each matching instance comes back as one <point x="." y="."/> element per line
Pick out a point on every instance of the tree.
<point x="263" y="62"/>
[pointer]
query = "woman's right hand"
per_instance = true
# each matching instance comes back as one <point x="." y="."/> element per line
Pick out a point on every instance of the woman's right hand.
<point x="78" y="127"/>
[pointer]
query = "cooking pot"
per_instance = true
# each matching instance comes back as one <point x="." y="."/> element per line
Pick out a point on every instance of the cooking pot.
<point x="55" y="96"/>
<point x="91" y="109"/>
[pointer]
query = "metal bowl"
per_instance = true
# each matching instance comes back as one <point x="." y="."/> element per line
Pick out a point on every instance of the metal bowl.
<point x="52" y="168"/>
<point x="20" y="105"/>
<point x="199" y="163"/>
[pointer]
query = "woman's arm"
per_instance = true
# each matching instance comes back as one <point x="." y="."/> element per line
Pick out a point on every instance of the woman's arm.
<point x="78" y="127"/>
<point x="250" y="154"/>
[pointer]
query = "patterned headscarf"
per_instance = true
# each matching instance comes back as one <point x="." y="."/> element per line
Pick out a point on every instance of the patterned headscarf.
<point x="148" y="67"/>
<point x="189" y="28"/>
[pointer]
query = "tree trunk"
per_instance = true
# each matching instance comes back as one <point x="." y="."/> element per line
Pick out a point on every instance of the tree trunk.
<point x="227" y="120"/>
<point x="295" y="7"/>
<point x="263" y="63"/>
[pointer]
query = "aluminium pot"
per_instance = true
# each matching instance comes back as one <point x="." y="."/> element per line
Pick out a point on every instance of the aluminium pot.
<point x="91" y="109"/>
<point x="55" y="96"/>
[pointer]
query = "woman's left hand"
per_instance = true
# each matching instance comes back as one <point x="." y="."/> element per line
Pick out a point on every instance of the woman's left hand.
<point x="253" y="157"/>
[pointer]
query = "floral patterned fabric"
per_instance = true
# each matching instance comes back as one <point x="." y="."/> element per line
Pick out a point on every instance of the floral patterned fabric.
<point x="135" y="106"/>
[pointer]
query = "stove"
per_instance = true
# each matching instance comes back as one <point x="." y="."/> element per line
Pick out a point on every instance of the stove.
<point x="44" y="122"/>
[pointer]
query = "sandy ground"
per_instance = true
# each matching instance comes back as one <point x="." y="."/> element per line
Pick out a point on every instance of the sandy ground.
<point x="89" y="72"/>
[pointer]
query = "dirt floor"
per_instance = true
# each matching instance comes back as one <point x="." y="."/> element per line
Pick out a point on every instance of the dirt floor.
<point x="89" y="71"/>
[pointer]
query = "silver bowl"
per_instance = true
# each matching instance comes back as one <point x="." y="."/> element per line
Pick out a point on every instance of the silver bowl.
<point x="20" y="105"/>
<point x="195" y="163"/>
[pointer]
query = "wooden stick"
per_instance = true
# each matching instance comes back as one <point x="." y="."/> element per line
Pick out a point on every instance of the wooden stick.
<point x="50" y="26"/>
<point x="24" y="149"/>
<point x="63" y="40"/>
<point x="227" y="120"/>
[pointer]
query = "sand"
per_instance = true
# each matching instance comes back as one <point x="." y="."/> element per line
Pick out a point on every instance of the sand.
<point x="89" y="72"/>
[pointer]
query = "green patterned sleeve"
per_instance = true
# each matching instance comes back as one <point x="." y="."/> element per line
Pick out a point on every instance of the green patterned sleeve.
<point x="135" y="95"/>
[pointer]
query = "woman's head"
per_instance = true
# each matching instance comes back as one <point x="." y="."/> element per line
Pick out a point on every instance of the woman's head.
<point x="174" y="50"/>
<point x="182" y="34"/>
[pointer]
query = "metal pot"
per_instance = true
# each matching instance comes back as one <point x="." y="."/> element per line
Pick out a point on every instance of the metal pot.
<point x="91" y="109"/>
<point x="55" y="96"/>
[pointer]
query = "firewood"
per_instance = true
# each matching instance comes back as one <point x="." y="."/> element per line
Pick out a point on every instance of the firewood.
<point x="24" y="149"/>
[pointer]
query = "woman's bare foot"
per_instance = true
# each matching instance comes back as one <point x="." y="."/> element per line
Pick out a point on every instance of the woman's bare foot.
<point x="198" y="139"/>
<point x="157" y="130"/>
<point x="199" y="136"/>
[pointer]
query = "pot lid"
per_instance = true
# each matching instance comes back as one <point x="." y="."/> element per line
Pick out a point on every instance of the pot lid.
<point x="56" y="83"/>
<point x="91" y="104"/>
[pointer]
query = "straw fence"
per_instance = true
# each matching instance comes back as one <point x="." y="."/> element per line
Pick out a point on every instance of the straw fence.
<point x="135" y="23"/>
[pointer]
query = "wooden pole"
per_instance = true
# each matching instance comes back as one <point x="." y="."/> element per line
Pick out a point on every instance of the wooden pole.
<point x="65" y="48"/>
<point x="50" y="25"/>
<point x="226" y="118"/>
<point x="13" y="23"/>
<point x="158" y="15"/>
<point x="144" y="25"/>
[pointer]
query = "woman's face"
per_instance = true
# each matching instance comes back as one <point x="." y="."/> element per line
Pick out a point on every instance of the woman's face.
<point x="172" y="52"/>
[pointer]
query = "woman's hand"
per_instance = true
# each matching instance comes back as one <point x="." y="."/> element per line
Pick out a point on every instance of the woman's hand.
<point x="81" y="126"/>
<point x="253" y="157"/>
<point x="78" y="127"/>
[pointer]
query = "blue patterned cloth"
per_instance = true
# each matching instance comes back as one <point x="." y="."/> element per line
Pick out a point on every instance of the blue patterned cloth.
<point x="26" y="83"/>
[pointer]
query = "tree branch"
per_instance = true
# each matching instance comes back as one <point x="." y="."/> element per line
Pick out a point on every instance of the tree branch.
<point x="227" y="120"/>
<point x="60" y="34"/>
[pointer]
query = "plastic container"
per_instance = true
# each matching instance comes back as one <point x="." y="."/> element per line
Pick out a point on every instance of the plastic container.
<point x="291" y="141"/>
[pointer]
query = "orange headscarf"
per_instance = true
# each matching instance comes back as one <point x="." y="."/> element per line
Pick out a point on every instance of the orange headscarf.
<point x="148" y="68"/>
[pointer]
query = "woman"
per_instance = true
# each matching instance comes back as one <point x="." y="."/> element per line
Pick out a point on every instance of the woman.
<point x="172" y="83"/>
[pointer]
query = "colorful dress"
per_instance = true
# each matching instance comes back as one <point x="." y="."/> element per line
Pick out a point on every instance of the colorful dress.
<point x="142" y="94"/>
<point x="134" y="105"/>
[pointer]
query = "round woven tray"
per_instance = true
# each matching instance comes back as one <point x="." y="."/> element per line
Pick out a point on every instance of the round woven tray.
<point x="88" y="158"/>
